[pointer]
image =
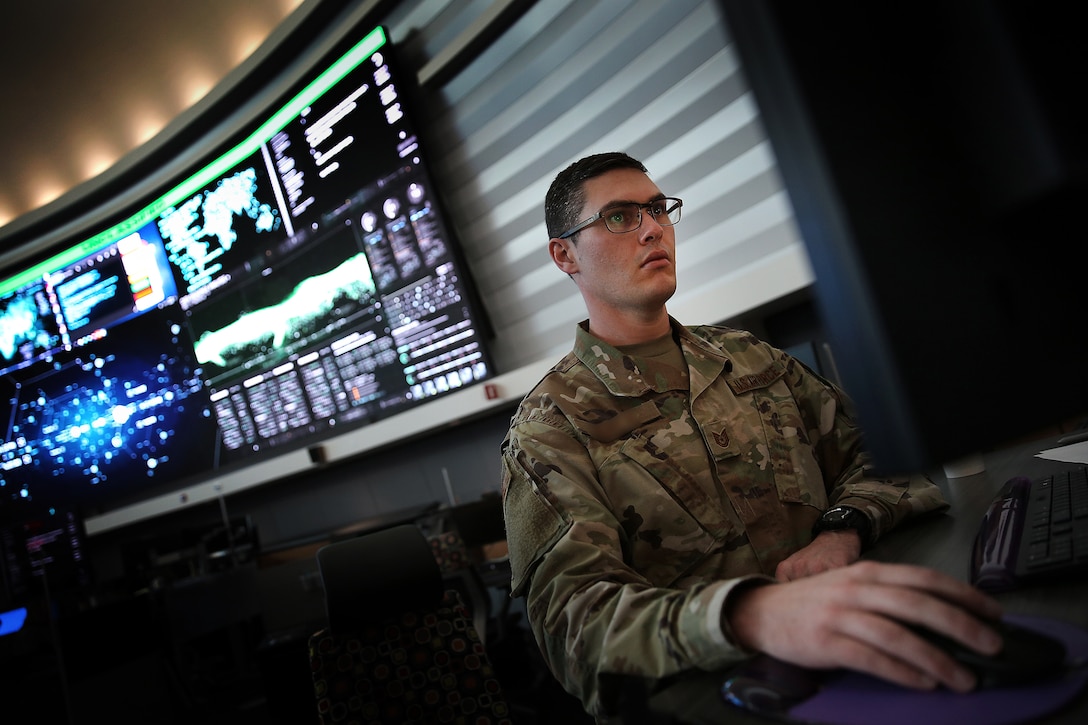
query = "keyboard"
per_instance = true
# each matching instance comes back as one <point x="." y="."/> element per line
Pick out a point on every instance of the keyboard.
<point x="1034" y="530"/>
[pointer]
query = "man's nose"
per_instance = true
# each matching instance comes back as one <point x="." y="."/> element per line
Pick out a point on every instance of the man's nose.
<point x="650" y="229"/>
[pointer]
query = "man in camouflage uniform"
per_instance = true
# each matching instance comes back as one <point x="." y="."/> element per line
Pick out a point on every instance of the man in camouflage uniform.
<point x="660" y="477"/>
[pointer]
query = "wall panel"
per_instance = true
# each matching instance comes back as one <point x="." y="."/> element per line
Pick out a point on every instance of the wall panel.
<point x="660" y="81"/>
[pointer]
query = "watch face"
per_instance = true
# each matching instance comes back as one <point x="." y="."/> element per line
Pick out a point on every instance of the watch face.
<point x="838" y="518"/>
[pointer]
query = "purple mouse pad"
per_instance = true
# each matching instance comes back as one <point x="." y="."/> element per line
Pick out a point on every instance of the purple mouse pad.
<point x="857" y="699"/>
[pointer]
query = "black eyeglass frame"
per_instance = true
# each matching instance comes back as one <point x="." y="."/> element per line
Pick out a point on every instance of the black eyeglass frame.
<point x="601" y="214"/>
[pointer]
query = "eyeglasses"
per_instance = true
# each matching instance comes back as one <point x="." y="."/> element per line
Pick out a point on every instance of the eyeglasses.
<point x="623" y="218"/>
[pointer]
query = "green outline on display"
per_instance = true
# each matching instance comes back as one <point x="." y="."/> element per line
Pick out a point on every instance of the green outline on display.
<point x="278" y="121"/>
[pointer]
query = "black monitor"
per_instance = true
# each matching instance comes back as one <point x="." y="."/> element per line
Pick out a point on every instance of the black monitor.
<point x="935" y="158"/>
<point x="300" y="280"/>
<point x="42" y="555"/>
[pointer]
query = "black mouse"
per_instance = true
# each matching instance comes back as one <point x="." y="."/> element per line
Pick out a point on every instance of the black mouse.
<point x="1027" y="656"/>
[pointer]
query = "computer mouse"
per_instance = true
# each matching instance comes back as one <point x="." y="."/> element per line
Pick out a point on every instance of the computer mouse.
<point x="1027" y="656"/>
<point x="770" y="686"/>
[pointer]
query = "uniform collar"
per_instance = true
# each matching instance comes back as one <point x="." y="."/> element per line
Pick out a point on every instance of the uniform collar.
<point x="626" y="375"/>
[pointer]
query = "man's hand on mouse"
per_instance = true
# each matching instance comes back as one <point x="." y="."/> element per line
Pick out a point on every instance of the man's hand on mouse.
<point x="846" y="617"/>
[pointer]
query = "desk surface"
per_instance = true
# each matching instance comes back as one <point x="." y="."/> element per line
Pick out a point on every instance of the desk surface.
<point x="942" y="542"/>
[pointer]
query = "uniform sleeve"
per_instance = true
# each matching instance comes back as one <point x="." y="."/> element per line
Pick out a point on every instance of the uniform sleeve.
<point x="592" y="614"/>
<point x="847" y="467"/>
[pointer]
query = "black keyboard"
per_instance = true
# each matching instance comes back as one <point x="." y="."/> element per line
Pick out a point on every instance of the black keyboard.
<point x="1034" y="530"/>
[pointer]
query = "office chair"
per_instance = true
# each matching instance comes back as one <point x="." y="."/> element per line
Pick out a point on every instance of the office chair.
<point x="459" y="572"/>
<point x="470" y="543"/>
<point x="399" y="647"/>
<point x="482" y="530"/>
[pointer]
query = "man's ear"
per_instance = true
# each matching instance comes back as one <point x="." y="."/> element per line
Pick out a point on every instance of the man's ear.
<point x="562" y="254"/>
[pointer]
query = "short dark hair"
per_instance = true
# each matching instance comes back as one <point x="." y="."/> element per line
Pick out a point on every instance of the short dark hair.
<point x="566" y="196"/>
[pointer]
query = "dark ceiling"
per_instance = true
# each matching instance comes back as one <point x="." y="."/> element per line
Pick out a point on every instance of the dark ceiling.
<point x="85" y="83"/>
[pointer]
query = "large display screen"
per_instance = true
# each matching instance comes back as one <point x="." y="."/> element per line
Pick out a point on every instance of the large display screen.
<point x="300" y="282"/>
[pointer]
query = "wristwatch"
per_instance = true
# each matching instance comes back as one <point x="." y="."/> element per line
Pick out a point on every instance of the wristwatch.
<point x="838" y="518"/>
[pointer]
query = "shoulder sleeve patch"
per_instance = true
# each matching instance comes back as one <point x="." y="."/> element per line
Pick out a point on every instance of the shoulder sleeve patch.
<point x="533" y="527"/>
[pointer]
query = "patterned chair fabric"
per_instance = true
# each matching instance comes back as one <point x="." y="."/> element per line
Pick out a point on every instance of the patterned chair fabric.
<point x="420" y="666"/>
<point x="449" y="551"/>
<point x="459" y="572"/>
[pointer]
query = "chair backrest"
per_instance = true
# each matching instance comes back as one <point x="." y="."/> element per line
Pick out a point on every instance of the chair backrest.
<point x="459" y="573"/>
<point x="398" y="648"/>
<point x="369" y="577"/>
<point x="449" y="550"/>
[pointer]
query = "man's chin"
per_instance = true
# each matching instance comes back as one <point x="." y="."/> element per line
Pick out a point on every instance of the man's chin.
<point x="661" y="299"/>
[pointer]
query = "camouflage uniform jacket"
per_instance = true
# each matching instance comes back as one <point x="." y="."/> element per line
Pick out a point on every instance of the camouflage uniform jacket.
<point x="637" y="495"/>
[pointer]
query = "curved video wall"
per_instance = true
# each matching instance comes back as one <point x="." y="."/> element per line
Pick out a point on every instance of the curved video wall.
<point x="300" y="282"/>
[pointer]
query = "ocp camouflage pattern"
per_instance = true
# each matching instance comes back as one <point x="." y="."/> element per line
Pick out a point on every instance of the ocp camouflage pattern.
<point x="638" y="492"/>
